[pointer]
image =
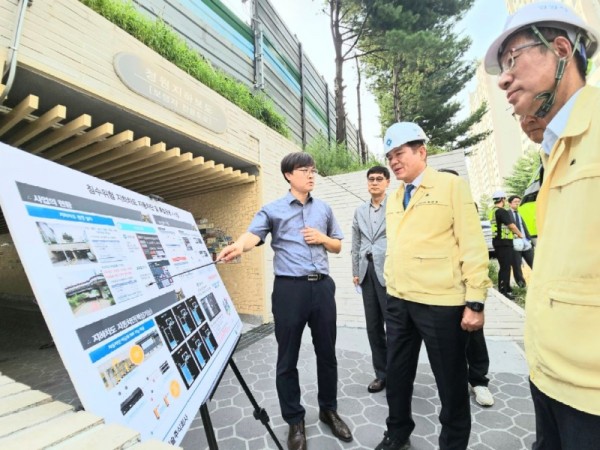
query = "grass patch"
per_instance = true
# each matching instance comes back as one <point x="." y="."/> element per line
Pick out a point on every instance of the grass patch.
<point x="161" y="38"/>
<point x="518" y="292"/>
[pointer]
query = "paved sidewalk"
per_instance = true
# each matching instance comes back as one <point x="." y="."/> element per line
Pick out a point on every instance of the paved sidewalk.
<point x="508" y="425"/>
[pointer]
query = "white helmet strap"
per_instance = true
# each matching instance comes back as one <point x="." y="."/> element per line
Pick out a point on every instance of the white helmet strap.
<point x="550" y="96"/>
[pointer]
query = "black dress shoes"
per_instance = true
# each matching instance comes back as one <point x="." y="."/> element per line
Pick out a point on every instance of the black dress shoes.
<point x="339" y="429"/>
<point x="297" y="437"/>
<point x="389" y="443"/>
<point x="376" y="385"/>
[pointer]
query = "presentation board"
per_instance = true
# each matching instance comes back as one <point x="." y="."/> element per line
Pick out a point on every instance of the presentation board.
<point x="143" y="342"/>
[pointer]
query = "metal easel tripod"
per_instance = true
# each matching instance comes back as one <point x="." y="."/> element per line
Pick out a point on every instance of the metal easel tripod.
<point x="259" y="413"/>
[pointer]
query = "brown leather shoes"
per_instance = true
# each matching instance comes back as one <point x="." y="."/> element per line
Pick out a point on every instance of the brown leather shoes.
<point x="297" y="437"/>
<point x="376" y="385"/>
<point x="339" y="429"/>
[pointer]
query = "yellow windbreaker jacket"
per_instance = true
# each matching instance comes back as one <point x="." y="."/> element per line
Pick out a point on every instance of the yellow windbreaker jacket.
<point x="436" y="253"/>
<point x="562" y="335"/>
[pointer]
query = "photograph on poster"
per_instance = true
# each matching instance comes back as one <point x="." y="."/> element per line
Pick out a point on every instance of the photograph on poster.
<point x="210" y="306"/>
<point x="184" y="318"/>
<point x="160" y="272"/>
<point x="169" y="329"/>
<point x="209" y="338"/>
<point x="194" y="307"/>
<point x="186" y="365"/>
<point x="132" y="400"/>
<point x="199" y="349"/>
<point x="114" y="370"/>
<point x="227" y="306"/>
<point x="151" y="246"/>
<point x="67" y="245"/>
<point x="86" y="290"/>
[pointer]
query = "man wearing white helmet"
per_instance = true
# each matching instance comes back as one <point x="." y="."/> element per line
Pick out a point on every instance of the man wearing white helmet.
<point x="542" y="58"/>
<point x="436" y="274"/>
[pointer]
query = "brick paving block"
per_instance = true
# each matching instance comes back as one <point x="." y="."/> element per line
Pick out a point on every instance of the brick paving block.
<point x="12" y="389"/>
<point x="103" y="437"/>
<point x="5" y="380"/>
<point x="51" y="432"/>
<point x="23" y="400"/>
<point x="32" y="416"/>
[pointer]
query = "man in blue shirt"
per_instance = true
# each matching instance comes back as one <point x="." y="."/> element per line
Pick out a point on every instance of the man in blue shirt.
<point x="303" y="229"/>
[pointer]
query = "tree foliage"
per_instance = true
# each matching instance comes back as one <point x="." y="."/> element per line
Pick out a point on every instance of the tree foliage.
<point x="523" y="171"/>
<point x="415" y="63"/>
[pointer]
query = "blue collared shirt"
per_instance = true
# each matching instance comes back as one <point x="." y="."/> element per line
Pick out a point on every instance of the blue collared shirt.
<point x="558" y="124"/>
<point x="284" y="219"/>
<point x="416" y="183"/>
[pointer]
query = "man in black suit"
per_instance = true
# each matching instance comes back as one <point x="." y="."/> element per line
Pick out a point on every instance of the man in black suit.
<point x="527" y="253"/>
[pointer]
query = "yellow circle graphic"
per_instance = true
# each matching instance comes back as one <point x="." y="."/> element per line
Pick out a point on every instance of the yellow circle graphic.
<point x="136" y="354"/>
<point x="175" y="389"/>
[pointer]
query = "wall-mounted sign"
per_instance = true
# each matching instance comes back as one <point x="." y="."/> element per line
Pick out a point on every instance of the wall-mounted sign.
<point x="178" y="95"/>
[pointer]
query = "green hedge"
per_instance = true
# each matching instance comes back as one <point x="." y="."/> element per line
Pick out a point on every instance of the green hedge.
<point x="157" y="35"/>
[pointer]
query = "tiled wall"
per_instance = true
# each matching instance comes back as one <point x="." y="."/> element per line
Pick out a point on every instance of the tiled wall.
<point x="12" y="276"/>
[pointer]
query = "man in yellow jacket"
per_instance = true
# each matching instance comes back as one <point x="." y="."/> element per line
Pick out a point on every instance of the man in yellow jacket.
<point x="541" y="57"/>
<point x="436" y="274"/>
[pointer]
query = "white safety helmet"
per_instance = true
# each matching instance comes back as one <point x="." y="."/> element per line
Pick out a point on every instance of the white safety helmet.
<point x="498" y="195"/>
<point x="400" y="133"/>
<point x="545" y="14"/>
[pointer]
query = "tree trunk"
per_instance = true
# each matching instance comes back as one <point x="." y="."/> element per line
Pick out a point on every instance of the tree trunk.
<point x="361" y="139"/>
<point x="340" y="107"/>
<point x="395" y="90"/>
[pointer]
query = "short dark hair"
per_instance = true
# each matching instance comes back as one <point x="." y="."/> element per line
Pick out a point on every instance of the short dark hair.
<point x="379" y="169"/>
<point x="414" y="145"/>
<point x="452" y="171"/>
<point x="512" y="197"/>
<point x="296" y="160"/>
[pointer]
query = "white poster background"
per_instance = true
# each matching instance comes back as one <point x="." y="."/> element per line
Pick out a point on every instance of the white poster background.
<point x="142" y="346"/>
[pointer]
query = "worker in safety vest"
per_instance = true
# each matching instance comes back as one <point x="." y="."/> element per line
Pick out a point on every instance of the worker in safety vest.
<point x="503" y="232"/>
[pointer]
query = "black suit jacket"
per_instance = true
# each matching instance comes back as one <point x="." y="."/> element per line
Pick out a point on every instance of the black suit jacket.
<point x="512" y="216"/>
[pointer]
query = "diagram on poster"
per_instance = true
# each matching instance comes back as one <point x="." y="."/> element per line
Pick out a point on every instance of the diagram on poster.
<point x="143" y="337"/>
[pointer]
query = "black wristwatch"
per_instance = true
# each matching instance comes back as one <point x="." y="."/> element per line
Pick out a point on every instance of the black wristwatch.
<point x="475" y="306"/>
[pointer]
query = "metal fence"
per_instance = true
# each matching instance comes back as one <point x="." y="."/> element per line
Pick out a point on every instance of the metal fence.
<point x="265" y="56"/>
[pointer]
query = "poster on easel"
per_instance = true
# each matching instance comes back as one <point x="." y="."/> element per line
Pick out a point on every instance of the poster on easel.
<point x="143" y="336"/>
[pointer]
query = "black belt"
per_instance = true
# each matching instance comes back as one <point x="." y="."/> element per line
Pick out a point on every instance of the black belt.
<point x="370" y="256"/>
<point x="311" y="277"/>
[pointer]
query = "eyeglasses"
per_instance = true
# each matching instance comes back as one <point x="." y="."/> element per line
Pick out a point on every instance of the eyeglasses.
<point x="307" y="171"/>
<point x="375" y="179"/>
<point x="508" y="63"/>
